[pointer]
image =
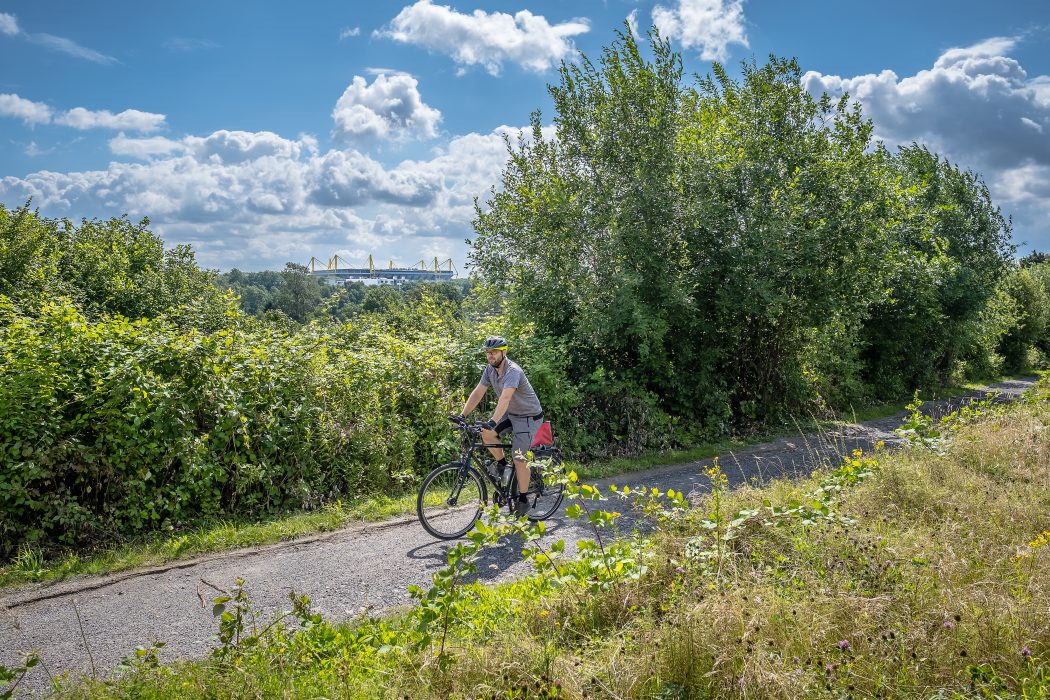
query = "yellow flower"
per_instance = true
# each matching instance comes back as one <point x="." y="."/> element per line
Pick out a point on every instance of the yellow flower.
<point x="1041" y="540"/>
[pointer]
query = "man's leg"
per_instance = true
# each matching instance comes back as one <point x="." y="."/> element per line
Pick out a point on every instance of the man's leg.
<point x="489" y="437"/>
<point x="521" y="468"/>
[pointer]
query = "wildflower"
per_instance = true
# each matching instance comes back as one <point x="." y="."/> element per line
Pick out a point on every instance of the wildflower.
<point x="1042" y="540"/>
<point x="843" y="644"/>
<point x="1026" y="652"/>
<point x="679" y="570"/>
<point x="948" y="624"/>
<point x="719" y="481"/>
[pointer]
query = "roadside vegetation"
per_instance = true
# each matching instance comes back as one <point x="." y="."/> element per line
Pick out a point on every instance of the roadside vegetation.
<point x="913" y="573"/>
<point x="691" y="260"/>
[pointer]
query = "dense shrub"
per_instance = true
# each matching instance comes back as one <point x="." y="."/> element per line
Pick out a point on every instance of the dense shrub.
<point x="117" y="426"/>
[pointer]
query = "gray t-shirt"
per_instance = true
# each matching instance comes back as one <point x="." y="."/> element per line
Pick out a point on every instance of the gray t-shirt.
<point x="524" y="402"/>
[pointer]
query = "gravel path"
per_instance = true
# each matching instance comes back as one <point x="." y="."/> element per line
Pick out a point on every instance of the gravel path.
<point x="345" y="572"/>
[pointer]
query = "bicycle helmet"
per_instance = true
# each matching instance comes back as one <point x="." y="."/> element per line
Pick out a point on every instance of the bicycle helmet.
<point x="495" y="343"/>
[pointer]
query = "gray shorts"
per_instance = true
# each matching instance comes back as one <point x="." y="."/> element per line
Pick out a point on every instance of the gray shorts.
<point x="524" y="429"/>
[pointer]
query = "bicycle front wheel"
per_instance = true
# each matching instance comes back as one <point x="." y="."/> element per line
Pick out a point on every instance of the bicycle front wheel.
<point x="450" y="500"/>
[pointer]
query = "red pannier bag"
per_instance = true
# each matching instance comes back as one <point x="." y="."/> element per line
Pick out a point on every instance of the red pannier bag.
<point x="544" y="436"/>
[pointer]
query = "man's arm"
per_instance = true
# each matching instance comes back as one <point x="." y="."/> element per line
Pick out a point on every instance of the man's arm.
<point x="474" y="399"/>
<point x="503" y="403"/>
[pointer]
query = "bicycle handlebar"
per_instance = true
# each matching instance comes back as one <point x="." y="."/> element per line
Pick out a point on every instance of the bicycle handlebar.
<point x="464" y="424"/>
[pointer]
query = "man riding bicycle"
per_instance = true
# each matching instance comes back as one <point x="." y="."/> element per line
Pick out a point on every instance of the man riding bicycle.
<point x="517" y="409"/>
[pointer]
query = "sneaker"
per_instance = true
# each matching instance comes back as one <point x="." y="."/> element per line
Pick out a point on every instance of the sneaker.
<point x="521" y="508"/>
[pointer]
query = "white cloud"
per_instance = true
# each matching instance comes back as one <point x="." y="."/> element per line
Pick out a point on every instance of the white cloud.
<point x="71" y="48"/>
<point x="389" y="108"/>
<point x="375" y="70"/>
<point x="350" y="178"/>
<point x="9" y="25"/>
<point x="348" y="32"/>
<point x="28" y="111"/>
<point x="632" y="22"/>
<point x="977" y="106"/>
<point x="130" y="119"/>
<point x="144" y="148"/>
<point x="79" y="118"/>
<point x="708" y="25"/>
<point x="486" y="39"/>
<point x="230" y="147"/>
<point x="259" y="199"/>
<point x="33" y="150"/>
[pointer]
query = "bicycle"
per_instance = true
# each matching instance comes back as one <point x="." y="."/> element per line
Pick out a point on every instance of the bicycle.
<point x="452" y="496"/>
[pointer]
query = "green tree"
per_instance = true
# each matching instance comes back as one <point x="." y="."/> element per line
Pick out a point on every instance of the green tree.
<point x="299" y="293"/>
<point x="685" y="241"/>
<point x="941" y="317"/>
<point x="30" y="252"/>
<point x="1036" y="257"/>
<point x="1033" y="308"/>
<point x="106" y="267"/>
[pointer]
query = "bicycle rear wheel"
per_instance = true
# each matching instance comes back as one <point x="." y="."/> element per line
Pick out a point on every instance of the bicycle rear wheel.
<point x="545" y="493"/>
<point x="450" y="500"/>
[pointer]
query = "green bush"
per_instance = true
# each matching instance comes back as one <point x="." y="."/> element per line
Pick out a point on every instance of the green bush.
<point x="1032" y="306"/>
<point x="115" y="426"/>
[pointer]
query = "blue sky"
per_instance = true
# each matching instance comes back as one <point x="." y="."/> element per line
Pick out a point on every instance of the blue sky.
<point x="265" y="132"/>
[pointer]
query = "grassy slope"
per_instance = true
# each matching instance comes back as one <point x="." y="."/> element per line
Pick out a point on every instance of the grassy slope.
<point x="31" y="567"/>
<point x="938" y="588"/>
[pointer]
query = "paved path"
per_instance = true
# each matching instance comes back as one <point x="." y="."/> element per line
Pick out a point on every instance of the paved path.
<point x="344" y="572"/>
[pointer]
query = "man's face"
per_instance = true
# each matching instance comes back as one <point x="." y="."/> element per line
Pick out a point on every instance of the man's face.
<point x="494" y="357"/>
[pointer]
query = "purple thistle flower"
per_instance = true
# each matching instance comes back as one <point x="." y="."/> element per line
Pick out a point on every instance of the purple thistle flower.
<point x="948" y="625"/>
<point x="843" y="644"/>
<point x="1026" y="652"/>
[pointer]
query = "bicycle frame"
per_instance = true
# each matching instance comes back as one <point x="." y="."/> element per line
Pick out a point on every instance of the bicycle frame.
<point x="469" y="434"/>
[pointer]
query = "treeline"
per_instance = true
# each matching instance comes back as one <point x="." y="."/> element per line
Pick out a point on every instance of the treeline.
<point x="684" y="260"/>
<point x="294" y="294"/>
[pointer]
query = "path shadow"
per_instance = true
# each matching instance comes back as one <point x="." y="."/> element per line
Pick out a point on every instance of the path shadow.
<point x="492" y="561"/>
